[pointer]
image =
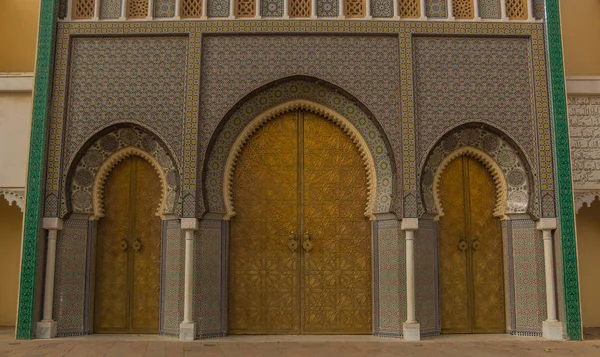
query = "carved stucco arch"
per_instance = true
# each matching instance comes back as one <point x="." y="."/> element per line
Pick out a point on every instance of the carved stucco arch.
<point x="105" y="170"/>
<point x="13" y="196"/>
<point x="313" y="107"/>
<point x="586" y="197"/>
<point x="492" y="167"/>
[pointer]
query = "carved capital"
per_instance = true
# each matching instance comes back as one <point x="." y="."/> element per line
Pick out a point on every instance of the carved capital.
<point x="545" y="224"/>
<point x="409" y="224"/>
<point x="189" y="224"/>
<point x="52" y="223"/>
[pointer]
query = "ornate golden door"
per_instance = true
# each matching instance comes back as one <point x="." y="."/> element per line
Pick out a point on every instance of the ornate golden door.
<point x="128" y="251"/>
<point x="300" y="246"/>
<point x="470" y="251"/>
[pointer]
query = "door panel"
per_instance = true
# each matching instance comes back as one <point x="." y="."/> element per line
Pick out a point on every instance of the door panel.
<point x="111" y="307"/>
<point x="337" y="271"/>
<point x="299" y="173"/>
<point x="486" y="250"/>
<point x="263" y="272"/>
<point x="127" y="290"/>
<point x="471" y="272"/>
<point x="145" y="299"/>
<point x="454" y="292"/>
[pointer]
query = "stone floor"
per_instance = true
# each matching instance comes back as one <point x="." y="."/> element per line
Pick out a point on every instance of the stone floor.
<point x="296" y="346"/>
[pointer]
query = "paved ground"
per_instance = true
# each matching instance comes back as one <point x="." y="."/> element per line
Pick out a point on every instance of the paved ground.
<point x="296" y="346"/>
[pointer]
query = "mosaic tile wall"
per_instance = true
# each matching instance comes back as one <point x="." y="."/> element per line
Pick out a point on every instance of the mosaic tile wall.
<point x="390" y="302"/>
<point x="70" y="277"/>
<point x="164" y="8"/>
<point x="539" y="11"/>
<point x="558" y="269"/>
<point x="208" y="299"/>
<point x="460" y="80"/>
<point x="172" y="277"/>
<point x="109" y="82"/>
<point x="436" y="8"/>
<point x="529" y="277"/>
<point x="222" y="87"/>
<point x="271" y="8"/>
<point x="110" y="9"/>
<point x="327" y="8"/>
<point x="489" y="9"/>
<point x="218" y="8"/>
<point x="426" y="277"/>
<point x="382" y="8"/>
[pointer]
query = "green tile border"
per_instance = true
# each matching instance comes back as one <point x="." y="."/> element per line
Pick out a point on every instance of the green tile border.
<point x="35" y="173"/>
<point x="563" y="169"/>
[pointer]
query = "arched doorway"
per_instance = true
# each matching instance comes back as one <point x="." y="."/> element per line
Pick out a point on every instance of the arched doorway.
<point x="11" y="224"/>
<point x="128" y="251"/>
<point x="300" y="246"/>
<point x="470" y="250"/>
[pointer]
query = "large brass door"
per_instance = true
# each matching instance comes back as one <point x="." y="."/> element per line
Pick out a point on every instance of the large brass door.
<point x="300" y="247"/>
<point x="128" y="251"/>
<point x="470" y="251"/>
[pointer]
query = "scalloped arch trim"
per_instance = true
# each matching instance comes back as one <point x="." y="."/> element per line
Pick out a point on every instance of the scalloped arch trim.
<point x="106" y="168"/>
<point x="489" y="163"/>
<point x="587" y="197"/>
<point x="312" y="107"/>
<point x="13" y="196"/>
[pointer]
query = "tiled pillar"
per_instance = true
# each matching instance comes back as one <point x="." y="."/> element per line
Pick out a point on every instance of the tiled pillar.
<point x="411" y="329"/>
<point x="187" y="328"/>
<point x="47" y="327"/>
<point x="551" y="328"/>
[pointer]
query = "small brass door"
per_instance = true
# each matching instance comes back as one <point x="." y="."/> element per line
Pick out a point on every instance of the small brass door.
<point x="128" y="251"/>
<point x="300" y="248"/>
<point x="470" y="251"/>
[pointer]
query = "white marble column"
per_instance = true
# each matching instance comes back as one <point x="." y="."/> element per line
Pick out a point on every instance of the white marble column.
<point x="395" y="7"/>
<point x="150" y="10"/>
<point x="257" y="15"/>
<point x="313" y="9"/>
<point x="187" y="328"/>
<point x="232" y="9"/>
<point x="450" y="11"/>
<point x="411" y="329"/>
<point x="123" y="10"/>
<point x="530" y="11"/>
<point x="503" y="10"/>
<point x="423" y="11"/>
<point x="177" y="10"/>
<point x="286" y="9"/>
<point x="368" y="15"/>
<point x="96" y="10"/>
<point x="551" y="328"/>
<point x="476" y="10"/>
<point x="204" y="10"/>
<point x="69" y="10"/>
<point x="47" y="327"/>
<point x="341" y="9"/>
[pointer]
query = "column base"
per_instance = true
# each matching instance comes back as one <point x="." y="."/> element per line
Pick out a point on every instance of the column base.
<point x="46" y="329"/>
<point x="411" y="331"/>
<point x="552" y="330"/>
<point x="187" y="331"/>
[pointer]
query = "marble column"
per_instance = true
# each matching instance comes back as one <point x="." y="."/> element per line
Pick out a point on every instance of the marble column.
<point x="411" y="329"/>
<point x="187" y="328"/>
<point x="423" y="10"/>
<point x="551" y="328"/>
<point x="503" y="10"/>
<point x="177" y="9"/>
<point x="123" y="10"/>
<point x="47" y="327"/>
<point x="530" y="16"/>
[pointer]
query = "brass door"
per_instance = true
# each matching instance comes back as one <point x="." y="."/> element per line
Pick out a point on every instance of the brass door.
<point x="300" y="247"/>
<point x="470" y="251"/>
<point x="128" y="251"/>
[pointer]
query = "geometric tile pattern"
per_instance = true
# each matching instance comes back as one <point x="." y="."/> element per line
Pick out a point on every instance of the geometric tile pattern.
<point x="329" y="8"/>
<point x="516" y="173"/>
<point x="381" y="8"/>
<point x="218" y="8"/>
<point x="436" y="8"/>
<point x="271" y="8"/>
<point x="426" y="277"/>
<point x="529" y="276"/>
<point x="489" y="9"/>
<point x="164" y="8"/>
<point x="62" y="8"/>
<point x="296" y="89"/>
<point x="94" y="156"/>
<point x="110" y="9"/>
<point x="172" y="277"/>
<point x="376" y="87"/>
<point x="539" y="11"/>
<point x="391" y="260"/>
<point x="70" y="277"/>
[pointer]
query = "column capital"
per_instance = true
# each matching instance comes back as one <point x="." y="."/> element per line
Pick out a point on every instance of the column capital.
<point x="52" y="223"/>
<point x="546" y="224"/>
<point x="409" y="224"/>
<point x="189" y="224"/>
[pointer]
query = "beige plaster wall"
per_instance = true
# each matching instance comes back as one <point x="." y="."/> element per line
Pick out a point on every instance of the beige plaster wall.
<point x="18" y="34"/>
<point x="11" y="221"/>
<point x="581" y="36"/>
<point x="15" y="119"/>
<point x="588" y="247"/>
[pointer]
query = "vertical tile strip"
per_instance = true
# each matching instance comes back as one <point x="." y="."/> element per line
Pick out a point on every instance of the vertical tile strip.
<point x="35" y="172"/>
<point x="563" y="170"/>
